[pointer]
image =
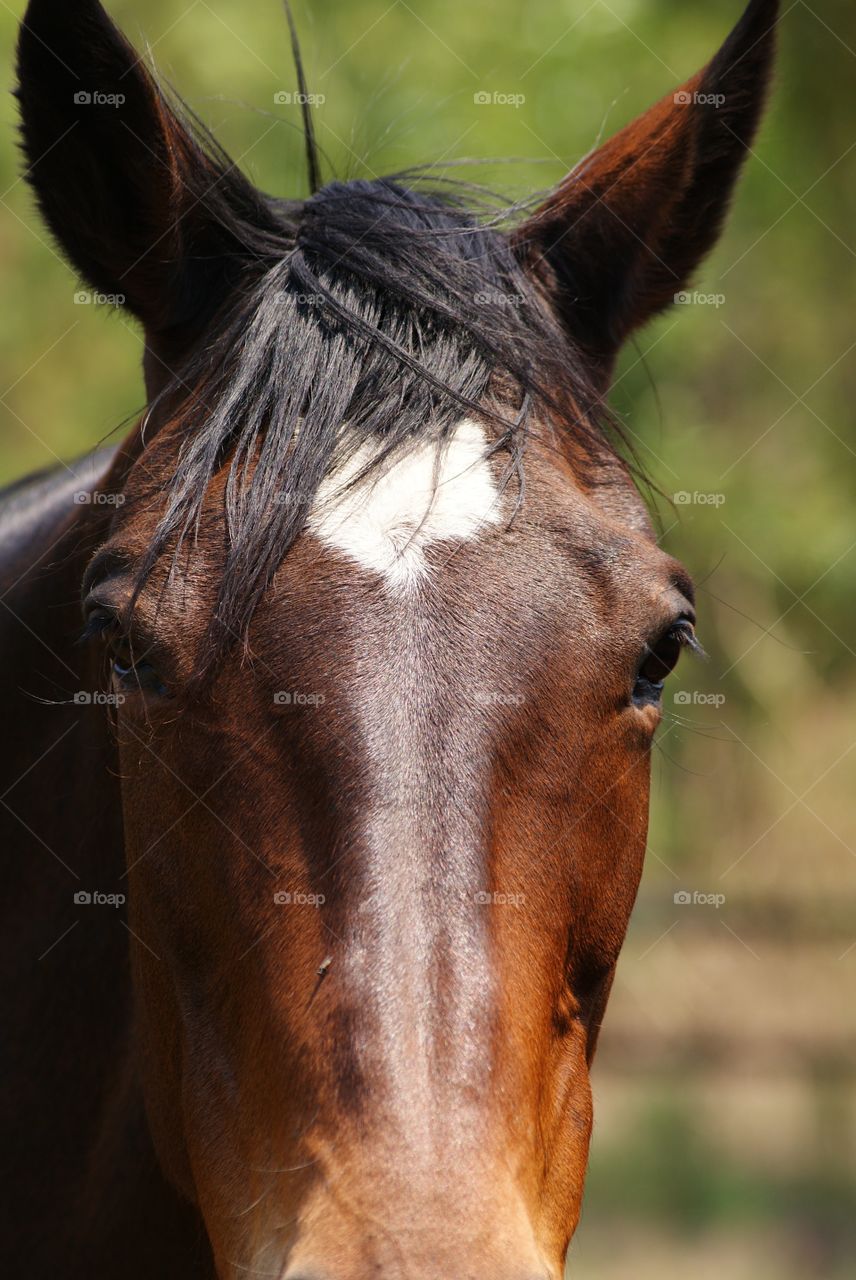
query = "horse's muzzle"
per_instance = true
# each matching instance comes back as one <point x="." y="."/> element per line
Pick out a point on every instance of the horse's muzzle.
<point x="466" y="1272"/>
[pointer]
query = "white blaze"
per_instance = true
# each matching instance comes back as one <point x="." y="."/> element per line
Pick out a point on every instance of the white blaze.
<point x="386" y="522"/>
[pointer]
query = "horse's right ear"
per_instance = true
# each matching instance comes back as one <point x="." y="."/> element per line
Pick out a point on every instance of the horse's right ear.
<point x="139" y="207"/>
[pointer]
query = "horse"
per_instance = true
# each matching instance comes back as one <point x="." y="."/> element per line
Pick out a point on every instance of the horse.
<point x="322" y="824"/>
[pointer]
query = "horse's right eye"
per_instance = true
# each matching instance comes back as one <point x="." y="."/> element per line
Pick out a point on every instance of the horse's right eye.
<point x="131" y="667"/>
<point x="137" y="675"/>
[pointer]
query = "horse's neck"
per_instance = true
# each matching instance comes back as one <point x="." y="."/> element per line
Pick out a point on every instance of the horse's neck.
<point x="63" y="965"/>
<point x="78" y="1129"/>
<point x="37" y="508"/>
<point x="60" y="799"/>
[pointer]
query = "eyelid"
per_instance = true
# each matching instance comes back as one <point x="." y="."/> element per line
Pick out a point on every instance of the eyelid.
<point x="99" y="620"/>
<point x="680" y="631"/>
<point x="681" y="628"/>
<point x="684" y="629"/>
<point x="106" y="621"/>
<point x="100" y="616"/>
<point x="96" y="622"/>
<point x="109" y="562"/>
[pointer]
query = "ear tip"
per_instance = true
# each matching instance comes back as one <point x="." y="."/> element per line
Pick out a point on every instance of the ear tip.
<point x="754" y="36"/>
<point x="69" y="10"/>
<point x="50" y="29"/>
<point x="48" y="26"/>
<point x="741" y="73"/>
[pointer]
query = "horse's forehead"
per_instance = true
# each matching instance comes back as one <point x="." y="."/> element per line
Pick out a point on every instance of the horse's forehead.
<point x="437" y="528"/>
<point x="387" y="521"/>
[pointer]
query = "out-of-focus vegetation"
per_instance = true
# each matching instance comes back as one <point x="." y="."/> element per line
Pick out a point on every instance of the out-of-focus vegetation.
<point x="726" y="1117"/>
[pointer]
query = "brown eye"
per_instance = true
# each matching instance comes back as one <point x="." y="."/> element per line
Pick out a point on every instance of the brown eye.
<point x="130" y="665"/>
<point x="659" y="661"/>
<point x="120" y="651"/>
<point x="134" y="673"/>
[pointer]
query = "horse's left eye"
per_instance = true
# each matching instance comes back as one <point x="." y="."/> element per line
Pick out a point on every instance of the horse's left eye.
<point x="660" y="660"/>
<point x="131" y="674"/>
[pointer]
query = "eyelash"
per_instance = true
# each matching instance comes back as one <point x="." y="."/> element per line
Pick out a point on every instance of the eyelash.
<point x="97" y="624"/>
<point x="684" y="633"/>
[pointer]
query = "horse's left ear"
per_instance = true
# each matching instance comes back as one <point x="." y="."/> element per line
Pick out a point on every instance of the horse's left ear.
<point x="622" y="234"/>
<point x="139" y="207"/>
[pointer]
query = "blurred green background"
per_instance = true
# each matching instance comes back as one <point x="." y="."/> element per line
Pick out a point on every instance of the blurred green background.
<point x="725" y="1139"/>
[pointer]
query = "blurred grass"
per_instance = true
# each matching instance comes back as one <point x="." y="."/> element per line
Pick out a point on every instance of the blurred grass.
<point x="670" y="1178"/>
<point x="751" y="400"/>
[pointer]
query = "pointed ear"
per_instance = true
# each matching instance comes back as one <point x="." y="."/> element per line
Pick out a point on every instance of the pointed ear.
<point x="139" y="207"/>
<point x="622" y="234"/>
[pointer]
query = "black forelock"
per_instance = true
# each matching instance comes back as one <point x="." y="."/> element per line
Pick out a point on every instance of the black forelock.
<point x="387" y="310"/>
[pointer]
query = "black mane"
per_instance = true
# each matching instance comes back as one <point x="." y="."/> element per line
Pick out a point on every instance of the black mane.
<point x="387" y="310"/>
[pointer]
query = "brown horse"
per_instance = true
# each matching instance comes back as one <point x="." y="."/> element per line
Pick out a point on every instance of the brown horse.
<point x="320" y="847"/>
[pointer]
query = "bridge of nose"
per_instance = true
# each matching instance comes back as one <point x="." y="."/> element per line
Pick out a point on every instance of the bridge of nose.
<point x="424" y="686"/>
